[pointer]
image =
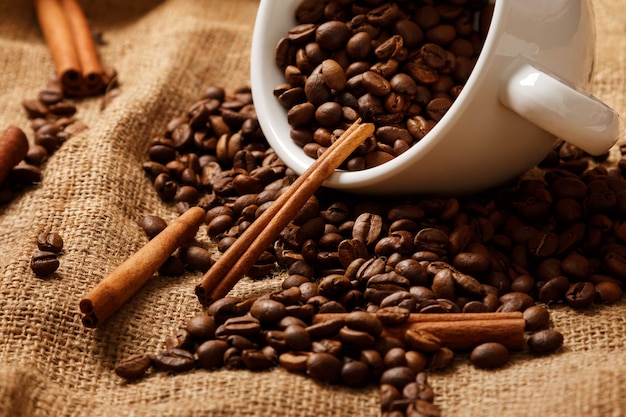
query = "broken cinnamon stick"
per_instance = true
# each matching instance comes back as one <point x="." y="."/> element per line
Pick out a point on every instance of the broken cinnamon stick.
<point x="239" y="257"/>
<point x="121" y="284"/>
<point x="458" y="331"/>
<point x="68" y="36"/>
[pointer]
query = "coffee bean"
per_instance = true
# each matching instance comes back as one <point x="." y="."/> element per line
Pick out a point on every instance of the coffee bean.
<point x="174" y="360"/>
<point x="246" y="326"/>
<point x="297" y="338"/>
<point x="536" y="317"/>
<point x="50" y="242"/>
<point x="172" y="267"/>
<point x="360" y="320"/>
<point x="580" y="294"/>
<point x="393" y="315"/>
<point x="267" y="310"/>
<point x="201" y="326"/>
<point x="256" y="360"/>
<point x="490" y="355"/>
<point x="323" y="367"/>
<point x="441" y="358"/>
<point x="355" y="373"/>
<point x="152" y="225"/>
<point x="545" y="341"/>
<point x="294" y="361"/>
<point x="210" y="354"/>
<point x="398" y="377"/>
<point x="44" y="263"/>
<point x="422" y="341"/>
<point x="133" y="367"/>
<point x="609" y="292"/>
<point x="195" y="258"/>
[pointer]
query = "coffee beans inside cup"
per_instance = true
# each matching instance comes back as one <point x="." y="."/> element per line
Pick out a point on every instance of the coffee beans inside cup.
<point x="400" y="65"/>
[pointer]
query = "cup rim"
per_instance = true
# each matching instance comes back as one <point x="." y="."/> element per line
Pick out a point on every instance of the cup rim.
<point x="293" y="155"/>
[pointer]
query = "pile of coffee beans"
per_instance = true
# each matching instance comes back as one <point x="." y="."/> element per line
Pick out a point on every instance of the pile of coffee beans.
<point x="553" y="237"/>
<point x="45" y="260"/>
<point x="399" y="65"/>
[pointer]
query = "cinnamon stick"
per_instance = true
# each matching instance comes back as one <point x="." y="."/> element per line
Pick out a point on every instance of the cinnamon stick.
<point x="13" y="148"/>
<point x="121" y="284"/>
<point x="68" y="36"/>
<point x="245" y="251"/>
<point x="459" y="331"/>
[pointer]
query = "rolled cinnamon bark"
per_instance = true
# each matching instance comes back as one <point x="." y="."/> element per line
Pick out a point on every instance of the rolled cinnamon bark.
<point x="13" y="148"/>
<point x="71" y="45"/>
<point x="121" y="284"/>
<point x="458" y="331"/>
<point x="93" y="80"/>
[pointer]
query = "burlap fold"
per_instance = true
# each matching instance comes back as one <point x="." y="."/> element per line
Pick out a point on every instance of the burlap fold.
<point x="94" y="192"/>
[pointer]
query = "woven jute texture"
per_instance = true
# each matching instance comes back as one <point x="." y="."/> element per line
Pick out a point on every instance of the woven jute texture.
<point x="94" y="192"/>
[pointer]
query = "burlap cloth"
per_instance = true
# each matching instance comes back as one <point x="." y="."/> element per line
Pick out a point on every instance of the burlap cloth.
<point x="94" y="192"/>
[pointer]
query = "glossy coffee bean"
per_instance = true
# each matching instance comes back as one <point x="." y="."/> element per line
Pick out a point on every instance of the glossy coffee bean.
<point x="545" y="341"/>
<point x="490" y="355"/>
<point x="44" y="263"/>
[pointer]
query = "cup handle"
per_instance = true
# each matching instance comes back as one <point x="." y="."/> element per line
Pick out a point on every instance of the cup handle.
<point x="559" y="108"/>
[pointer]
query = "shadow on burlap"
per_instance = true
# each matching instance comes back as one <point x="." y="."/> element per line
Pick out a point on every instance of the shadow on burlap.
<point x="94" y="192"/>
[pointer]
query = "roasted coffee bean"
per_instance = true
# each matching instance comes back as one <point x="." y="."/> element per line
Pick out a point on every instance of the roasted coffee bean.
<point x="50" y="242"/>
<point x="441" y="358"/>
<point x="268" y="311"/>
<point x="422" y="341"/>
<point x="152" y="225"/>
<point x="233" y="359"/>
<point x="357" y="338"/>
<point x="172" y="267"/>
<point x="24" y="175"/>
<point x="367" y="228"/>
<point x="355" y="373"/>
<point x="398" y="377"/>
<point x="545" y="341"/>
<point x="201" y="326"/>
<point x="256" y="360"/>
<point x="490" y="355"/>
<point x="395" y="357"/>
<point x="554" y="289"/>
<point x="380" y="286"/>
<point x="297" y="338"/>
<point x="294" y="361"/>
<point x="133" y="367"/>
<point x="210" y="354"/>
<point x="609" y="292"/>
<point x="400" y="299"/>
<point x="195" y="258"/>
<point x="174" y="360"/>
<point x="246" y="326"/>
<point x="182" y="339"/>
<point x="360" y="320"/>
<point x="580" y="294"/>
<point x="326" y="328"/>
<point x="389" y="394"/>
<point x="536" y="317"/>
<point x="44" y="263"/>
<point x="323" y="367"/>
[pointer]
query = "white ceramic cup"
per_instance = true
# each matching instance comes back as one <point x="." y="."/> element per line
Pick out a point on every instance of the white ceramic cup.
<point x="526" y="90"/>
